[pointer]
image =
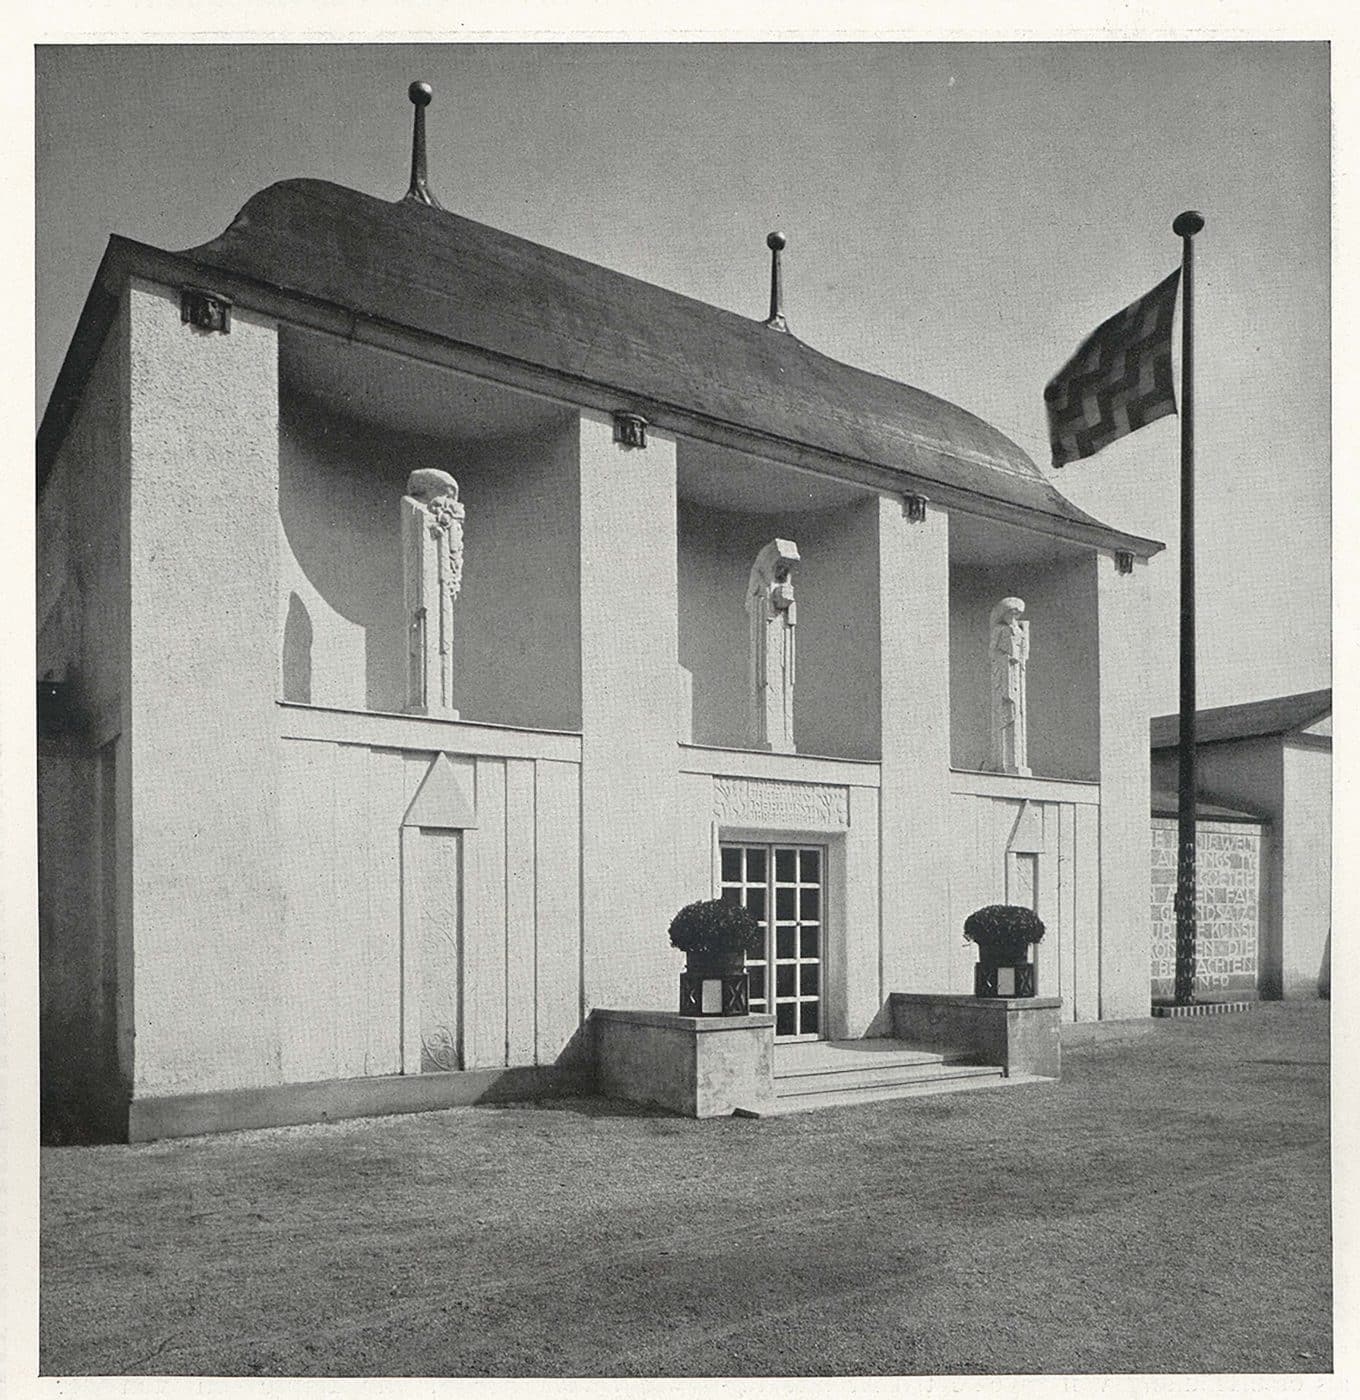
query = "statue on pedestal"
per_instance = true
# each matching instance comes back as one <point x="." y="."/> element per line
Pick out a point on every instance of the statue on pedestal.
<point x="1009" y="648"/>
<point x="432" y="575"/>
<point x="773" y="616"/>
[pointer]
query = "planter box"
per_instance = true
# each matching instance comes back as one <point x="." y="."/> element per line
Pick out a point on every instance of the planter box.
<point x="1008" y="980"/>
<point x="701" y="1066"/>
<point x="1022" y="1035"/>
<point x="715" y="993"/>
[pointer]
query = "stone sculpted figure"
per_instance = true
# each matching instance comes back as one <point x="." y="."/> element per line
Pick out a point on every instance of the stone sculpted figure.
<point x="773" y="616"/>
<point x="432" y="575"/>
<point x="1010" y="713"/>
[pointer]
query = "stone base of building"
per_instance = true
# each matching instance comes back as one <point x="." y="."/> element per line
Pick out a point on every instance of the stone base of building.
<point x="702" y="1067"/>
<point x="1204" y="1008"/>
<point x="281" y="1105"/>
<point x="1020" y="1034"/>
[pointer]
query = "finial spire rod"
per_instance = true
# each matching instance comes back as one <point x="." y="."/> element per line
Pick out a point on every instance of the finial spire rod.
<point x="420" y="95"/>
<point x="776" y="243"/>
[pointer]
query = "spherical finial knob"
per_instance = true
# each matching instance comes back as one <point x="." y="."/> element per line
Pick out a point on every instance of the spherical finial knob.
<point x="420" y="93"/>
<point x="1187" y="225"/>
<point x="776" y="242"/>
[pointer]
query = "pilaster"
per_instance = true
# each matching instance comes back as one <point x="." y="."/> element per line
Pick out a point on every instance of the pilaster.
<point x="1125" y="792"/>
<point x="629" y="755"/>
<point x="913" y="563"/>
<point x="203" y="419"/>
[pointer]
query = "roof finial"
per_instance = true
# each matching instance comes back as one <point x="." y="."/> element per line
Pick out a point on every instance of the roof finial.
<point x="776" y="243"/>
<point x="420" y="94"/>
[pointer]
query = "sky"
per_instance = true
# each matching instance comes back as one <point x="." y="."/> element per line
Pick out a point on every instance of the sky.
<point x="959" y="216"/>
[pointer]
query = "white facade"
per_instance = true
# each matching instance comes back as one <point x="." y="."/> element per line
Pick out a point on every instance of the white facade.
<point x="299" y="883"/>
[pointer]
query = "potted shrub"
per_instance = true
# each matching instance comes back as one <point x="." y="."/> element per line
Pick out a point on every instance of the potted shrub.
<point x="1004" y="934"/>
<point x="714" y="935"/>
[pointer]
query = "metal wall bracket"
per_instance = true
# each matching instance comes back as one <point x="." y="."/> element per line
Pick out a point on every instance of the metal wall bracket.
<point x="914" y="507"/>
<point x="1123" y="561"/>
<point x="630" y="429"/>
<point x="205" y="310"/>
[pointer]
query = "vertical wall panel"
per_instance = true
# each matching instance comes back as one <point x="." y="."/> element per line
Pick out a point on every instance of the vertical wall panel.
<point x="306" y="974"/>
<point x="386" y="793"/>
<point x="1050" y="979"/>
<point x="1067" y="906"/>
<point x="484" y="923"/>
<point x="558" y="944"/>
<point x="1086" y="972"/>
<point x="1004" y="814"/>
<point x="414" y="766"/>
<point x="855" y="928"/>
<point x="405" y="948"/>
<point x="433" y="855"/>
<point x="1125" y="892"/>
<point x="629" y="679"/>
<point x="917" y="843"/>
<point x="970" y="884"/>
<point x="349" y="915"/>
<point x="520" y="962"/>
<point x="202" y="540"/>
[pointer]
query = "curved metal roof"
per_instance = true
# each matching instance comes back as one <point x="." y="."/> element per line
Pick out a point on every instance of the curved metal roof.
<point x="439" y="273"/>
<point x="426" y="270"/>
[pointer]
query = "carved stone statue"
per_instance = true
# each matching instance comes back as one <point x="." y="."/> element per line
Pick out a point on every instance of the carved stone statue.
<point x="1009" y="649"/>
<point x="773" y="616"/>
<point x="432" y="575"/>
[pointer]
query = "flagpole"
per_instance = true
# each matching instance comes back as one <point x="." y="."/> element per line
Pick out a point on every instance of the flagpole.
<point x="1187" y="225"/>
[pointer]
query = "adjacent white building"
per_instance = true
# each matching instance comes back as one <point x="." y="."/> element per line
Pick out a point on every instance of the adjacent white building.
<point x="1265" y="846"/>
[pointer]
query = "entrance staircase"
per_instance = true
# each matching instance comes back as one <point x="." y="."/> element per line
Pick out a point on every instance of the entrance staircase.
<point x="828" y="1073"/>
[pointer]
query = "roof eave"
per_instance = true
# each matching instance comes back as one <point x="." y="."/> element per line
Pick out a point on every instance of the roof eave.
<point x="92" y="326"/>
<point x="124" y="258"/>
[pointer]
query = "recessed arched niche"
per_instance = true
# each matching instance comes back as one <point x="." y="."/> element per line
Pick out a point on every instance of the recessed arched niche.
<point x="729" y="508"/>
<point x="355" y="423"/>
<point x="990" y="564"/>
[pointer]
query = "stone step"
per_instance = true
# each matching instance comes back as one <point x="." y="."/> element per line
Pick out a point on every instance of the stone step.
<point x="834" y="1056"/>
<point x="960" y="1080"/>
<point x="830" y="1081"/>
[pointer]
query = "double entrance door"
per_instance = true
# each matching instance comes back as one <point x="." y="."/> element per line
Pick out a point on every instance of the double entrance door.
<point x="784" y="888"/>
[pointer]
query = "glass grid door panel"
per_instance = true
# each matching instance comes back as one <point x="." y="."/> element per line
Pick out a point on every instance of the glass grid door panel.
<point x="782" y="887"/>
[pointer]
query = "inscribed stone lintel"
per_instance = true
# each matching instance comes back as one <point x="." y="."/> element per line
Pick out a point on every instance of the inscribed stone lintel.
<point x="763" y="802"/>
<point x="440" y="802"/>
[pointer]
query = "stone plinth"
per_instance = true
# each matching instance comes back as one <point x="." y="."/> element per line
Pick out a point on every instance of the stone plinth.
<point x="1021" y="1034"/>
<point x="703" y="1067"/>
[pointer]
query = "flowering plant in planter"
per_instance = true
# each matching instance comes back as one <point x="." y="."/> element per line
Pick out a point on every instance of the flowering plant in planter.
<point x="1003" y="934"/>
<point x="714" y="935"/>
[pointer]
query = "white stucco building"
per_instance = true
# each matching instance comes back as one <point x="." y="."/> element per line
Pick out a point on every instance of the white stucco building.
<point x="274" y="888"/>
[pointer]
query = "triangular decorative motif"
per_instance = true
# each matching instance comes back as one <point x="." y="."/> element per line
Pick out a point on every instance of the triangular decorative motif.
<point x="1027" y="835"/>
<point x="440" y="802"/>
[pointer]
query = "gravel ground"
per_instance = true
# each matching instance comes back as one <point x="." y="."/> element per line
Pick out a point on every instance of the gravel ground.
<point x="1164" y="1208"/>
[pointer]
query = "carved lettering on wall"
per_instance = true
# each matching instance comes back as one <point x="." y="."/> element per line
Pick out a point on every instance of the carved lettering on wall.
<point x="764" y="802"/>
<point x="1227" y="907"/>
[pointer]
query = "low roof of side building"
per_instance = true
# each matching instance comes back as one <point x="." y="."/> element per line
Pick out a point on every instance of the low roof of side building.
<point x="1257" y="719"/>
